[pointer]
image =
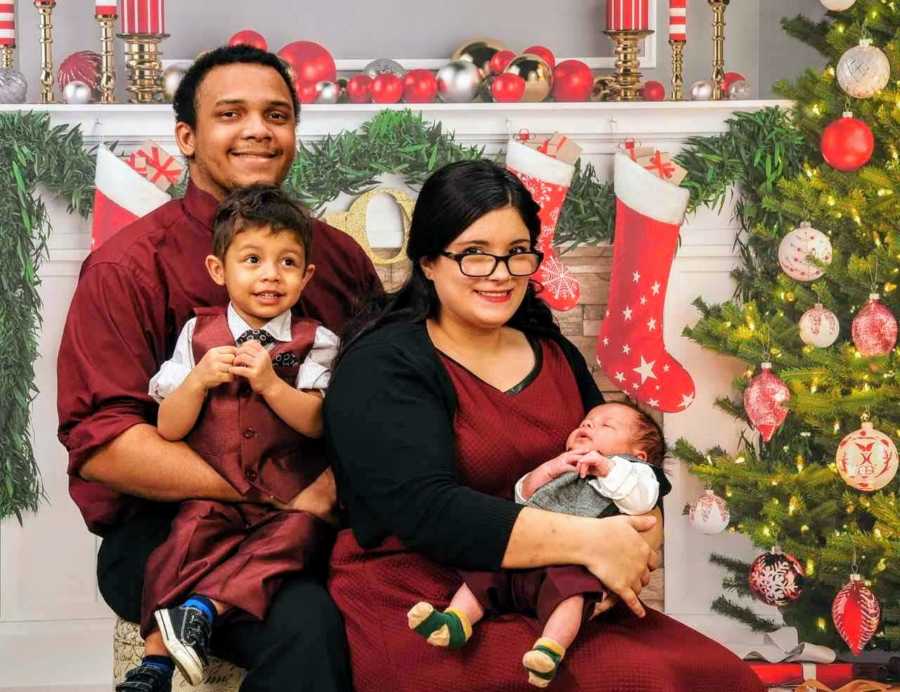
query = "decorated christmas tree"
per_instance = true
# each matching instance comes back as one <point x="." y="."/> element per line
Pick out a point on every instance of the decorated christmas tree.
<point x="813" y="318"/>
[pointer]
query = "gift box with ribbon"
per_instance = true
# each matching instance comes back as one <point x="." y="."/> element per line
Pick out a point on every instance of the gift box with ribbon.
<point x="555" y="146"/>
<point x="156" y="164"/>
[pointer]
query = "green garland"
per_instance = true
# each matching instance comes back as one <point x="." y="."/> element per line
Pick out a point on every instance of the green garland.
<point x="751" y="153"/>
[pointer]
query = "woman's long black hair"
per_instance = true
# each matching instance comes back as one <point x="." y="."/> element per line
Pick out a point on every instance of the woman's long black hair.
<point x="452" y="199"/>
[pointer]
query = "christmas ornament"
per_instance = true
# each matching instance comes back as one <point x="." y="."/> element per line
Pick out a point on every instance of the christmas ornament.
<point x="867" y="459"/>
<point x="729" y="79"/>
<point x="419" y="86"/>
<point x="630" y="346"/>
<point x="864" y="70"/>
<point x="248" y="37"/>
<point x="543" y="53"/>
<point x="856" y="613"/>
<point x="382" y="65"/>
<point x="653" y="91"/>
<point x="776" y="578"/>
<point x="847" y="143"/>
<point x="874" y="329"/>
<point x="709" y="513"/>
<point x="327" y="92"/>
<point x="458" y="81"/>
<point x="799" y="248"/>
<point x="479" y="52"/>
<point x="84" y="67"/>
<point x="702" y="90"/>
<point x="359" y="88"/>
<point x="740" y="90"/>
<point x="387" y="88"/>
<point x="837" y="5"/>
<point x="537" y="75"/>
<point x="172" y="77"/>
<point x="819" y="327"/>
<point x="13" y="87"/>
<point x="572" y="81"/>
<point x="306" y="92"/>
<point x="764" y="401"/>
<point x="310" y="63"/>
<point x="501" y="60"/>
<point x="77" y="93"/>
<point x="507" y="88"/>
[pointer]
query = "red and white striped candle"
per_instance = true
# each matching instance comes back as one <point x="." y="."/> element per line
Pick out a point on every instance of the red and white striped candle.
<point x="143" y="16"/>
<point x="105" y="7"/>
<point x="627" y="15"/>
<point x="7" y="23"/>
<point x="678" y="20"/>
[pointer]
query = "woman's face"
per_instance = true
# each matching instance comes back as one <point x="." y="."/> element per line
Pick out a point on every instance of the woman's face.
<point x="485" y="302"/>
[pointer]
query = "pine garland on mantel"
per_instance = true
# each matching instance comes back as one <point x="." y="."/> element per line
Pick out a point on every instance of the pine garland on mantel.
<point x="35" y="156"/>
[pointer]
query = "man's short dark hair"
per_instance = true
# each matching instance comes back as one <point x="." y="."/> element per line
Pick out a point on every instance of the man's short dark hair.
<point x="185" y="101"/>
<point x="257" y="206"/>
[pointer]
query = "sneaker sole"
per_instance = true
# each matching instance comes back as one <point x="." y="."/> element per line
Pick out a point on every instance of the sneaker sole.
<point x="184" y="657"/>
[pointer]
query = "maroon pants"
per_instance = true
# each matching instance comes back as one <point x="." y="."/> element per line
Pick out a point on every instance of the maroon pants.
<point x="233" y="553"/>
<point x="535" y="592"/>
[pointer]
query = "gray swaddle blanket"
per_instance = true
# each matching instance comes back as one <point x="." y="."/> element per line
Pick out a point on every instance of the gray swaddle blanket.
<point x="571" y="494"/>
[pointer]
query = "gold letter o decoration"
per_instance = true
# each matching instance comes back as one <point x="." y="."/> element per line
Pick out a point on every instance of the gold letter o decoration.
<point x="353" y="222"/>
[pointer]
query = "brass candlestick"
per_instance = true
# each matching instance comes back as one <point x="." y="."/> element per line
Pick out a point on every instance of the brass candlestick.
<point x="718" y="8"/>
<point x="107" y="57"/>
<point x="628" y="75"/>
<point x="7" y="57"/>
<point x="143" y="58"/>
<point x="45" y="7"/>
<point x="677" y="70"/>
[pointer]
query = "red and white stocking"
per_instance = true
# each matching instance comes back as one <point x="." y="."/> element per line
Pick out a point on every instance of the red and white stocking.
<point x="630" y="347"/>
<point x="548" y="180"/>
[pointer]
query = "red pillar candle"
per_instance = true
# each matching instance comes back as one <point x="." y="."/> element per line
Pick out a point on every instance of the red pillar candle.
<point x="143" y="16"/>
<point x="678" y="20"/>
<point x="627" y="15"/>
<point x="8" y="24"/>
<point x="105" y="7"/>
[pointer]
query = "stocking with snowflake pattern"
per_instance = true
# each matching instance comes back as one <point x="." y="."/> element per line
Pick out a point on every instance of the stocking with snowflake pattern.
<point x="548" y="180"/>
<point x="630" y="348"/>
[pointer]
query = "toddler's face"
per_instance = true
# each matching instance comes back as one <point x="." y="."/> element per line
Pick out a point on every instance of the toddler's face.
<point x="608" y="429"/>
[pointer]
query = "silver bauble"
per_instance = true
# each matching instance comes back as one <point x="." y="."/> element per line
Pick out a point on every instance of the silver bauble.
<point x="702" y="90"/>
<point x="863" y="71"/>
<point x="172" y="77"/>
<point x="327" y="92"/>
<point x="740" y="90"/>
<point x="77" y="92"/>
<point x="382" y="65"/>
<point x="837" y="5"/>
<point x="13" y="87"/>
<point x="458" y="81"/>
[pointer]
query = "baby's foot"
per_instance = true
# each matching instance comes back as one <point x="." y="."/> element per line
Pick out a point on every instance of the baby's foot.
<point x="542" y="661"/>
<point x="450" y="628"/>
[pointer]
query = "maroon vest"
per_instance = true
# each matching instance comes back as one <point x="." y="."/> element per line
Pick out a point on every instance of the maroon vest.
<point x="239" y="435"/>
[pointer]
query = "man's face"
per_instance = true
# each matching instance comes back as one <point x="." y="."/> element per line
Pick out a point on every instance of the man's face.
<point x="244" y="132"/>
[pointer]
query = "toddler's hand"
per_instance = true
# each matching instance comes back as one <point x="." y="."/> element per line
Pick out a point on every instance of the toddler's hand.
<point x="594" y="464"/>
<point x="254" y="362"/>
<point x="215" y="367"/>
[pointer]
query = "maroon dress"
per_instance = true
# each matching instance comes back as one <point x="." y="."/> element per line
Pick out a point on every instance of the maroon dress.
<point x="501" y="437"/>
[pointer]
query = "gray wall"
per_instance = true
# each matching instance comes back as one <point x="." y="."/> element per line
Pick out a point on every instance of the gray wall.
<point x="755" y="45"/>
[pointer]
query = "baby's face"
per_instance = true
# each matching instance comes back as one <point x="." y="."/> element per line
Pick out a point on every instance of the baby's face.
<point x="608" y="429"/>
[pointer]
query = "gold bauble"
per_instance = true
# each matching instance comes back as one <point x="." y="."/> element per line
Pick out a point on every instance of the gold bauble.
<point x="537" y="75"/>
<point x="479" y="51"/>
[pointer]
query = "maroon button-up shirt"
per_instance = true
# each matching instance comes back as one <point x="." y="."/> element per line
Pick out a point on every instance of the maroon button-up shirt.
<point x="134" y="295"/>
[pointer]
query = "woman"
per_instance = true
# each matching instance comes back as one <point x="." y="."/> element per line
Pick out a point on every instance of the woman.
<point x="443" y="397"/>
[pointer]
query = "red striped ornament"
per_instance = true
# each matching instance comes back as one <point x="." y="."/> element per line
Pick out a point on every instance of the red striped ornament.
<point x="627" y="15"/>
<point x="105" y="8"/>
<point x="143" y="16"/>
<point x="678" y="20"/>
<point x="856" y="614"/>
<point x="7" y="24"/>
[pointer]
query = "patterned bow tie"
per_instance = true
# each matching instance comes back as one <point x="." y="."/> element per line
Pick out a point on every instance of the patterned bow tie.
<point x="285" y="360"/>
<point x="260" y="335"/>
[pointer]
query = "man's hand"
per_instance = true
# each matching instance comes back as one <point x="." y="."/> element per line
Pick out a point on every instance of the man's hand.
<point x="254" y="362"/>
<point x="594" y="464"/>
<point x="548" y="471"/>
<point x="214" y="368"/>
<point x="318" y="498"/>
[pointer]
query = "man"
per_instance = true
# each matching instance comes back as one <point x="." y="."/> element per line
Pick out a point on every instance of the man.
<point x="236" y="113"/>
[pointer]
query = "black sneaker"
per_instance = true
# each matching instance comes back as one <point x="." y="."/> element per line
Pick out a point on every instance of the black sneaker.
<point x="185" y="632"/>
<point x="146" y="678"/>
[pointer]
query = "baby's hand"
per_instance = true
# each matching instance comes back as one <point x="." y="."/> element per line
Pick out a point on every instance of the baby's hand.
<point x="594" y="464"/>
<point x="215" y="367"/>
<point x="254" y="362"/>
<point x="548" y="471"/>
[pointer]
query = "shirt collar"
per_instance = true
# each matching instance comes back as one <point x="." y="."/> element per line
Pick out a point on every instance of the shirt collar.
<point x="199" y="205"/>
<point x="279" y="327"/>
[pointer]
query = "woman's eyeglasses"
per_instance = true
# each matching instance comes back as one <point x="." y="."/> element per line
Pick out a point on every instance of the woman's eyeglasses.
<point x="481" y="264"/>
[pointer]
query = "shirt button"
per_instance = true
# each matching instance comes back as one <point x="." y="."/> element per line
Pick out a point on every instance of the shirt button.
<point x="249" y="433"/>
<point x="250" y="474"/>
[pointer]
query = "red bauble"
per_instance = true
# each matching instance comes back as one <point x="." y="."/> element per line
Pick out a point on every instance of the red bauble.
<point x="419" y="86"/>
<point x="653" y="91"/>
<point x="309" y="61"/>
<point x="776" y="578"/>
<point x="729" y="79"/>
<point x="543" y="53"/>
<point x="572" y="81"/>
<point x="874" y="329"/>
<point x="764" y="400"/>
<point x="508" y="88"/>
<point x="306" y="92"/>
<point x="501" y="60"/>
<point x="83" y="66"/>
<point x="856" y="613"/>
<point x="248" y="37"/>
<point x="387" y="88"/>
<point x="847" y="143"/>
<point x="359" y="89"/>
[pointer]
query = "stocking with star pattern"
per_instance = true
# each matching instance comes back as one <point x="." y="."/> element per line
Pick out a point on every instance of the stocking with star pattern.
<point x="548" y="180"/>
<point x="630" y="348"/>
